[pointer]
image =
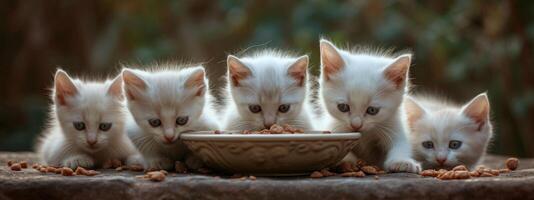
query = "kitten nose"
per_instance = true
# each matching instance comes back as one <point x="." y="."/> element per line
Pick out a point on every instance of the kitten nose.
<point x="91" y="142"/>
<point x="268" y="125"/>
<point x="356" y="123"/>
<point x="356" y="128"/>
<point x="441" y="161"/>
<point x="169" y="139"/>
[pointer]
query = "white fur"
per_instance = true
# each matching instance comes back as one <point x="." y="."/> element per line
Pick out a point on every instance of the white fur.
<point x="268" y="86"/>
<point x="361" y="83"/>
<point x="440" y="122"/>
<point x="63" y="145"/>
<point x="166" y="97"/>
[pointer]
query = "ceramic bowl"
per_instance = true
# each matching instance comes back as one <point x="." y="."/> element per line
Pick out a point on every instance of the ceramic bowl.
<point x="270" y="154"/>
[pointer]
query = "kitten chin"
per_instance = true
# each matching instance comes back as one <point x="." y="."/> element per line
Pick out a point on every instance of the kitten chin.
<point x="361" y="91"/>
<point x="444" y="135"/>
<point x="84" y="123"/>
<point x="266" y="88"/>
<point x="165" y="102"/>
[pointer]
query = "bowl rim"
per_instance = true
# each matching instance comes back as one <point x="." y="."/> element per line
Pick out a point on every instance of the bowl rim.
<point x="308" y="136"/>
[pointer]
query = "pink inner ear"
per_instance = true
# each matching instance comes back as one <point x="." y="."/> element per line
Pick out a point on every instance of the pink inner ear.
<point x="397" y="72"/>
<point x="298" y="70"/>
<point x="197" y="80"/>
<point x="115" y="89"/>
<point x="64" y="88"/>
<point x="478" y="110"/>
<point x="331" y="60"/>
<point x="237" y="71"/>
<point x="413" y="111"/>
<point x="132" y="84"/>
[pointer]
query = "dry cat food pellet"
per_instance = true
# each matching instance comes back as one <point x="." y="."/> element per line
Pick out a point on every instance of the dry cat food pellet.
<point x="369" y="170"/>
<point x="85" y="172"/>
<point x="36" y="166"/>
<point x="180" y="167"/>
<point x="136" y="168"/>
<point x="15" y="167"/>
<point x="327" y="173"/>
<point x="252" y="178"/>
<point x="65" y="171"/>
<point x="276" y="129"/>
<point x="512" y="163"/>
<point x="353" y="174"/>
<point x="9" y="163"/>
<point x="460" y="168"/>
<point x="156" y="176"/>
<point x="316" y="174"/>
<point x="24" y="164"/>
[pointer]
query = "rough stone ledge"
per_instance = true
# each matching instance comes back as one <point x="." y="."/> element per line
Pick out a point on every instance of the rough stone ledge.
<point x="30" y="184"/>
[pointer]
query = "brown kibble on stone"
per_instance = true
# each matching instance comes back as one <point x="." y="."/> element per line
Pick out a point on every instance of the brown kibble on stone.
<point x="446" y="176"/>
<point x="65" y="171"/>
<point x="326" y="172"/>
<point x="252" y="178"/>
<point x="23" y="164"/>
<point x="9" y="163"/>
<point x="369" y="170"/>
<point x="156" y="176"/>
<point x="429" y="172"/>
<point x="43" y="169"/>
<point x="91" y="173"/>
<point x="58" y="171"/>
<point x="15" y="167"/>
<point x="36" y="166"/>
<point x="80" y="171"/>
<point x="316" y="174"/>
<point x="461" y="175"/>
<point x="346" y="167"/>
<point x="136" y="168"/>
<point x="504" y="170"/>
<point x="361" y="163"/>
<point x="512" y="163"/>
<point x="494" y="172"/>
<point x="486" y="174"/>
<point x="460" y="168"/>
<point x="50" y="169"/>
<point x="180" y="167"/>
<point x="474" y="174"/>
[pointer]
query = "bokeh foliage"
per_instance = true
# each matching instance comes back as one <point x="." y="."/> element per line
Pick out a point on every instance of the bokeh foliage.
<point x="461" y="48"/>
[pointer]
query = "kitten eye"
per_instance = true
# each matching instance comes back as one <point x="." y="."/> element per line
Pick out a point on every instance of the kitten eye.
<point x="80" y="126"/>
<point x="154" y="122"/>
<point x="104" y="126"/>
<point x="343" y="107"/>
<point x="455" y="144"/>
<point x="182" y="120"/>
<point x="372" y="110"/>
<point x="284" y="108"/>
<point x="428" y="144"/>
<point x="254" y="108"/>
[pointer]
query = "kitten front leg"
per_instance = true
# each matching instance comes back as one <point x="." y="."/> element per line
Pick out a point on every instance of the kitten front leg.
<point x="399" y="157"/>
<point x="80" y="160"/>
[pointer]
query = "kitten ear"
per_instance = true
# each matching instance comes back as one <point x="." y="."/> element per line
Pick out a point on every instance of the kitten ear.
<point x="331" y="60"/>
<point x="397" y="72"/>
<point x="134" y="85"/>
<point x="237" y="71"/>
<point x="197" y="80"/>
<point x="413" y="110"/>
<point x="64" y="87"/>
<point x="115" y="88"/>
<point x="299" y="69"/>
<point x="478" y="109"/>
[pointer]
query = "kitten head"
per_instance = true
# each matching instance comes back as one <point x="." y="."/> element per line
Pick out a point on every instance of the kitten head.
<point x="268" y="88"/>
<point x="361" y="90"/>
<point x="445" y="136"/>
<point x="89" y="113"/>
<point x="166" y="103"/>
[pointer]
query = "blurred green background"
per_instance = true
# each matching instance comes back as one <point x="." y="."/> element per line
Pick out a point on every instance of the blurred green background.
<point x="461" y="47"/>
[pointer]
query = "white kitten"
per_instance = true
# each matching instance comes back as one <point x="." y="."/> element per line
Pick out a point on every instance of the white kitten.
<point x="445" y="135"/>
<point x="165" y="103"/>
<point x="86" y="124"/>
<point x="362" y="92"/>
<point x="267" y="88"/>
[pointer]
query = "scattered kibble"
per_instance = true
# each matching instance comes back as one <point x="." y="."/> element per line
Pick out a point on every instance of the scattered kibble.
<point x="316" y="174"/>
<point x="512" y="163"/>
<point x="276" y="129"/>
<point x="65" y="171"/>
<point x="15" y="167"/>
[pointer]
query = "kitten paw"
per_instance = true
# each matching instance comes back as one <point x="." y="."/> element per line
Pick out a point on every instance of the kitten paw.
<point x="159" y="163"/>
<point x="134" y="160"/>
<point x="79" y="161"/>
<point x="193" y="162"/>
<point x="404" y="165"/>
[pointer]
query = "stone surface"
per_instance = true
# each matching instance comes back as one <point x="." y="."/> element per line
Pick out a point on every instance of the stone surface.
<point x="30" y="184"/>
